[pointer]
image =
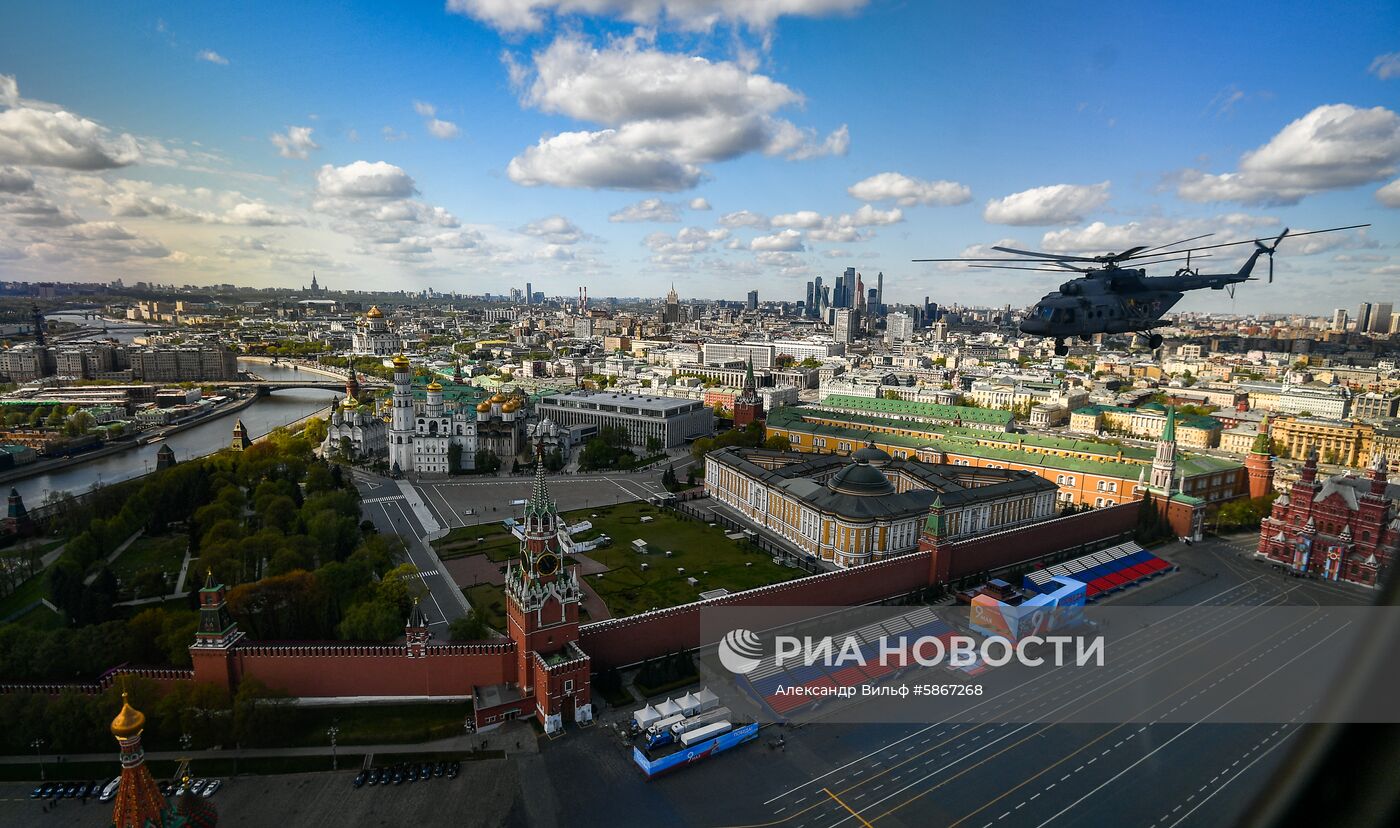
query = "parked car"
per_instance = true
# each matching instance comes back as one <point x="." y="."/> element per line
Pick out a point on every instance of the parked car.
<point x="454" y="769"/>
<point x="109" y="791"/>
<point x="211" y="787"/>
<point x="164" y="787"/>
<point x="398" y="777"/>
<point x="37" y="792"/>
<point x="71" y="791"/>
<point x="184" y="787"/>
<point x="439" y="769"/>
<point x="359" y="779"/>
<point x="426" y="771"/>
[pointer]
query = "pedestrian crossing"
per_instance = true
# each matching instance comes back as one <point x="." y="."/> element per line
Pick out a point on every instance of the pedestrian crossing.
<point x="382" y="499"/>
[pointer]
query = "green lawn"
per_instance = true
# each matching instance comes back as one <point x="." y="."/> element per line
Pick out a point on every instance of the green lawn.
<point x="490" y="601"/>
<point x="28" y="592"/>
<point x="163" y="553"/>
<point x="497" y="543"/>
<point x="703" y="552"/>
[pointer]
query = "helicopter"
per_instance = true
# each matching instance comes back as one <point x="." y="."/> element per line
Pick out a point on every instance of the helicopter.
<point x="1115" y="294"/>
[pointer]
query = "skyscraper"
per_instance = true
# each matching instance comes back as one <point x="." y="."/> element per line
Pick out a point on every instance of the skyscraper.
<point x="1339" y="319"/>
<point x="1380" y="318"/>
<point x="753" y="300"/>
<point x="848" y="300"/>
<point x="880" y="289"/>
<point x="844" y="327"/>
<point x="899" y="327"/>
<point x="811" y="297"/>
<point x="529" y="293"/>
<point x="1363" y="317"/>
<point x="838" y="293"/>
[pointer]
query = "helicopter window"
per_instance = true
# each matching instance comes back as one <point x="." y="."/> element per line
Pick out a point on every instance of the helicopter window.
<point x="1047" y="313"/>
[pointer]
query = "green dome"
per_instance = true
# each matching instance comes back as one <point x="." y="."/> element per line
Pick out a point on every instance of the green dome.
<point x="861" y="479"/>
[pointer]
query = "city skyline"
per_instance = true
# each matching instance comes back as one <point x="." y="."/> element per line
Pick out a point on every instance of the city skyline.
<point x="473" y="146"/>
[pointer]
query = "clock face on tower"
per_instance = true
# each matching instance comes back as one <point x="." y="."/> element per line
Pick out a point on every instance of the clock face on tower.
<point x="547" y="564"/>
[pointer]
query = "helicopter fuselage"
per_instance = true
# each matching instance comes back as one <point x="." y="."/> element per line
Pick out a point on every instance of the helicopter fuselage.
<point x="1115" y="300"/>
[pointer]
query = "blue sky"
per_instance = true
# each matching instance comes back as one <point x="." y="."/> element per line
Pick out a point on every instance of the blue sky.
<point x="480" y="144"/>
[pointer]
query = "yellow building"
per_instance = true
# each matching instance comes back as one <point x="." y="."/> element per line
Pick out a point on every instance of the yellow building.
<point x="866" y="507"/>
<point x="1341" y="442"/>
<point x="1147" y="422"/>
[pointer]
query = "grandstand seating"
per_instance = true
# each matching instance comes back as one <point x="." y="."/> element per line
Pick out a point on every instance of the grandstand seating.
<point x="1103" y="572"/>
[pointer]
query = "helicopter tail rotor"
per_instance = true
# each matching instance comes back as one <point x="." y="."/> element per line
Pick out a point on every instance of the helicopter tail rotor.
<point x="1269" y="249"/>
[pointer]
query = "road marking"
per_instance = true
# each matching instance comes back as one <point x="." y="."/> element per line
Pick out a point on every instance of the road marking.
<point x="838" y="801"/>
<point x="1220" y="707"/>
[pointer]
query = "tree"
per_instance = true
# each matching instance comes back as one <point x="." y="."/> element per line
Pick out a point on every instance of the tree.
<point x="454" y="458"/>
<point x="376" y="620"/>
<point x="315" y="431"/>
<point x="654" y="445"/>
<point x="470" y="627"/>
<point x="778" y="442"/>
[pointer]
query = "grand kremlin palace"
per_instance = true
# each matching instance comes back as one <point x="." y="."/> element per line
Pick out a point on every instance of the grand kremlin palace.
<point x="1087" y="472"/>
<point x="869" y="506"/>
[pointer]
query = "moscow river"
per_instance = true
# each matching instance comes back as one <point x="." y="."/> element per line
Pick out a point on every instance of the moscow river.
<point x="264" y="415"/>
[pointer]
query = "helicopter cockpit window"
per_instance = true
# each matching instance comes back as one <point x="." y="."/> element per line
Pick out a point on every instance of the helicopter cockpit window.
<point x="1047" y="313"/>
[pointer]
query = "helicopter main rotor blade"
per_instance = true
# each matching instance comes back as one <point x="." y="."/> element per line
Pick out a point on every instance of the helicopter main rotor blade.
<point x="1269" y="238"/>
<point x="1053" y="256"/>
<point x="1143" y="253"/>
<point x="1014" y="267"/>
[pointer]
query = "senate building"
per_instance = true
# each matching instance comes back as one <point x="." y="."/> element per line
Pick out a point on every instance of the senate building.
<point x="868" y="506"/>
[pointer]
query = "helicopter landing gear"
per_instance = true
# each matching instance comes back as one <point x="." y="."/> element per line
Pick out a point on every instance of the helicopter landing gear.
<point x="1154" y="341"/>
<point x="1061" y="348"/>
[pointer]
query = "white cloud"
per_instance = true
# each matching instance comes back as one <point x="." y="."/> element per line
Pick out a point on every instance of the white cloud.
<point x="907" y="191"/>
<point x="15" y="180"/>
<point x="364" y="179"/>
<point x="1334" y="146"/>
<point x="1389" y="195"/>
<point x="687" y="242"/>
<point x="1099" y="237"/>
<point x="784" y="240"/>
<point x="297" y="143"/>
<point x="436" y="127"/>
<point x="665" y="111"/>
<point x="1055" y="204"/>
<point x="595" y="160"/>
<point x="391" y="135"/>
<point x="445" y="130"/>
<point x="259" y="214"/>
<point x="9" y="91"/>
<point x="56" y="138"/>
<point x="212" y="56"/>
<point x="699" y="203"/>
<point x="744" y="218"/>
<point x="844" y="228"/>
<point x="648" y="209"/>
<point x="555" y="229"/>
<point x="691" y="15"/>
<point x="1386" y="66"/>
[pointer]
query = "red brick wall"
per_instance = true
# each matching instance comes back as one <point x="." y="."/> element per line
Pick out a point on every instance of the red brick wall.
<point x="347" y="670"/>
<point x="623" y="641"/>
<point x="951" y="561"/>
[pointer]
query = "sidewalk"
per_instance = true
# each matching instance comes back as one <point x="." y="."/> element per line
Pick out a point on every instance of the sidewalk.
<point x="513" y="737"/>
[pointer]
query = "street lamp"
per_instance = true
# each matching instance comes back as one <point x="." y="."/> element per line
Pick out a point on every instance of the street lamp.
<point x="38" y="744"/>
<point x="333" y="731"/>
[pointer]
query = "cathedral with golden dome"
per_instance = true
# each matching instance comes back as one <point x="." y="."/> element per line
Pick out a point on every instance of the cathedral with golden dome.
<point x="139" y="802"/>
<point x="374" y="337"/>
<point x="423" y="440"/>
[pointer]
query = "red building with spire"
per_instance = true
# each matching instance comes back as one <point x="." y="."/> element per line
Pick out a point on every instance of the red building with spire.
<point x="1343" y="528"/>
<point x="748" y="406"/>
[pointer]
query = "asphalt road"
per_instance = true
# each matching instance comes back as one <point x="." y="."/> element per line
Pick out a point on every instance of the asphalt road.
<point x="1010" y="768"/>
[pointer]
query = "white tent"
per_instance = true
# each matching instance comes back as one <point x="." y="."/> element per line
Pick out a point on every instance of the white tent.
<point x="689" y="704"/>
<point x="706" y="700"/>
<point x="667" y="708"/>
<point x="645" y="717"/>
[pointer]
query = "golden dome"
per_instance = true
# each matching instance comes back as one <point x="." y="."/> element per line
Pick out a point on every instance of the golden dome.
<point x="513" y="405"/>
<point x="484" y="407"/>
<point x="400" y="362"/>
<point x="375" y="313"/>
<point x="349" y="402"/>
<point x="129" y="721"/>
<point x="498" y="398"/>
<point x="434" y="386"/>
